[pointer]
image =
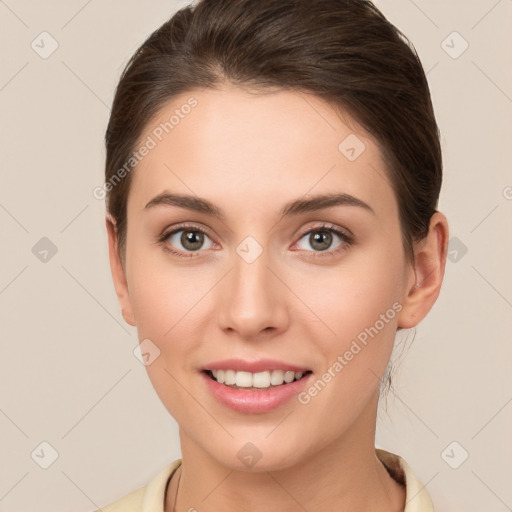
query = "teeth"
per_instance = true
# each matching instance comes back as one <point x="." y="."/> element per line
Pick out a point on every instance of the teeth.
<point x="256" y="380"/>
<point x="229" y="377"/>
<point x="244" y="379"/>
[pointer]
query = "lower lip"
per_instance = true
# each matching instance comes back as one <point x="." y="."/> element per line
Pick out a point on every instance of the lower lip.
<point x="258" y="401"/>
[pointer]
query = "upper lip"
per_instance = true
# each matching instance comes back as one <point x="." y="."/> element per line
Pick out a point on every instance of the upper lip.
<point x="260" y="365"/>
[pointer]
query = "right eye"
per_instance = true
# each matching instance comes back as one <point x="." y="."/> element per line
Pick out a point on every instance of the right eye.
<point x="190" y="238"/>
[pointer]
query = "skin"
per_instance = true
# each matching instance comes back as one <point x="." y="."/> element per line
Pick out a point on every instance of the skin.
<point x="251" y="153"/>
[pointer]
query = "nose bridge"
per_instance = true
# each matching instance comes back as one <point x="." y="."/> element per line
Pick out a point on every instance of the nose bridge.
<point x="251" y="298"/>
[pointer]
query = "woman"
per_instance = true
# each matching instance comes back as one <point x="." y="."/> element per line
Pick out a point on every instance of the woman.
<point x="272" y="175"/>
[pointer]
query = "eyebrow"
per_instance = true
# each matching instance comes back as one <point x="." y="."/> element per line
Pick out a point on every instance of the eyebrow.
<point x="296" y="207"/>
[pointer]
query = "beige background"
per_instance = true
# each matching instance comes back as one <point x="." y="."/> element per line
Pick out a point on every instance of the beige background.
<point x="68" y="376"/>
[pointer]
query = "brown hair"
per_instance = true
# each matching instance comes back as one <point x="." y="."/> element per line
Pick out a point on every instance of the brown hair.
<point x="345" y="52"/>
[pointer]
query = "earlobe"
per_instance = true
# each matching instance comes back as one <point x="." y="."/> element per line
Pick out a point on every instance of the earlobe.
<point x="118" y="272"/>
<point x="426" y="277"/>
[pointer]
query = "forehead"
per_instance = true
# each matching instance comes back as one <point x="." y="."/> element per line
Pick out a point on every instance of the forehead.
<point x="234" y="146"/>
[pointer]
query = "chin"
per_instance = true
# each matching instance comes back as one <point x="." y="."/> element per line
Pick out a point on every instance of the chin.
<point x="255" y="456"/>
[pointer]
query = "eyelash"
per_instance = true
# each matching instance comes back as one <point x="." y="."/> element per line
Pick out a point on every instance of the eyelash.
<point x="347" y="240"/>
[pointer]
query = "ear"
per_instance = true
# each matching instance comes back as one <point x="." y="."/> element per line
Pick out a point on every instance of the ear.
<point x="118" y="273"/>
<point x="426" y="275"/>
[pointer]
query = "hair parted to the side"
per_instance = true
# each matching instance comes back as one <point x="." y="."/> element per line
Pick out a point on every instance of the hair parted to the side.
<point x="343" y="51"/>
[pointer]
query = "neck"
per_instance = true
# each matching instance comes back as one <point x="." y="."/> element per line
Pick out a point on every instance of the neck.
<point x="344" y="475"/>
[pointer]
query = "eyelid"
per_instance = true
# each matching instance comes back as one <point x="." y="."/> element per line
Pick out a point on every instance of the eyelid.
<point x="180" y="227"/>
<point x="327" y="226"/>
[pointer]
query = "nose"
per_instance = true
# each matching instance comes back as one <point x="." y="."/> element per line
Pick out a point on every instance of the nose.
<point x="252" y="299"/>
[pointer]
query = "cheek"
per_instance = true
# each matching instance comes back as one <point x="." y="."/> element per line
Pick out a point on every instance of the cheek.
<point x="161" y="300"/>
<point x="160" y="291"/>
<point x="358" y="301"/>
<point x="358" y="305"/>
<point x="170" y="302"/>
<point x="152" y="299"/>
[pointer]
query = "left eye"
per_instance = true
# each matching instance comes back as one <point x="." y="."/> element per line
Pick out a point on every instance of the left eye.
<point x="321" y="238"/>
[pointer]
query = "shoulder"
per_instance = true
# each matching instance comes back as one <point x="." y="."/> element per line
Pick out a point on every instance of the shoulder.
<point x="149" y="498"/>
<point x="417" y="497"/>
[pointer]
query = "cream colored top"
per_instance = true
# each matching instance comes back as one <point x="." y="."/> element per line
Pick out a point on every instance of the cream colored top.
<point x="151" y="497"/>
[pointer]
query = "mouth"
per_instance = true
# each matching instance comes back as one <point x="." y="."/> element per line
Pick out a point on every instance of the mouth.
<point x="259" y="381"/>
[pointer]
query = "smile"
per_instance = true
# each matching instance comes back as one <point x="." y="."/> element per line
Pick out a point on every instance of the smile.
<point x="260" y="380"/>
<point x="254" y="393"/>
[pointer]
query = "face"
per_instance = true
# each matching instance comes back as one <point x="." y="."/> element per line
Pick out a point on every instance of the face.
<point x="315" y="286"/>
